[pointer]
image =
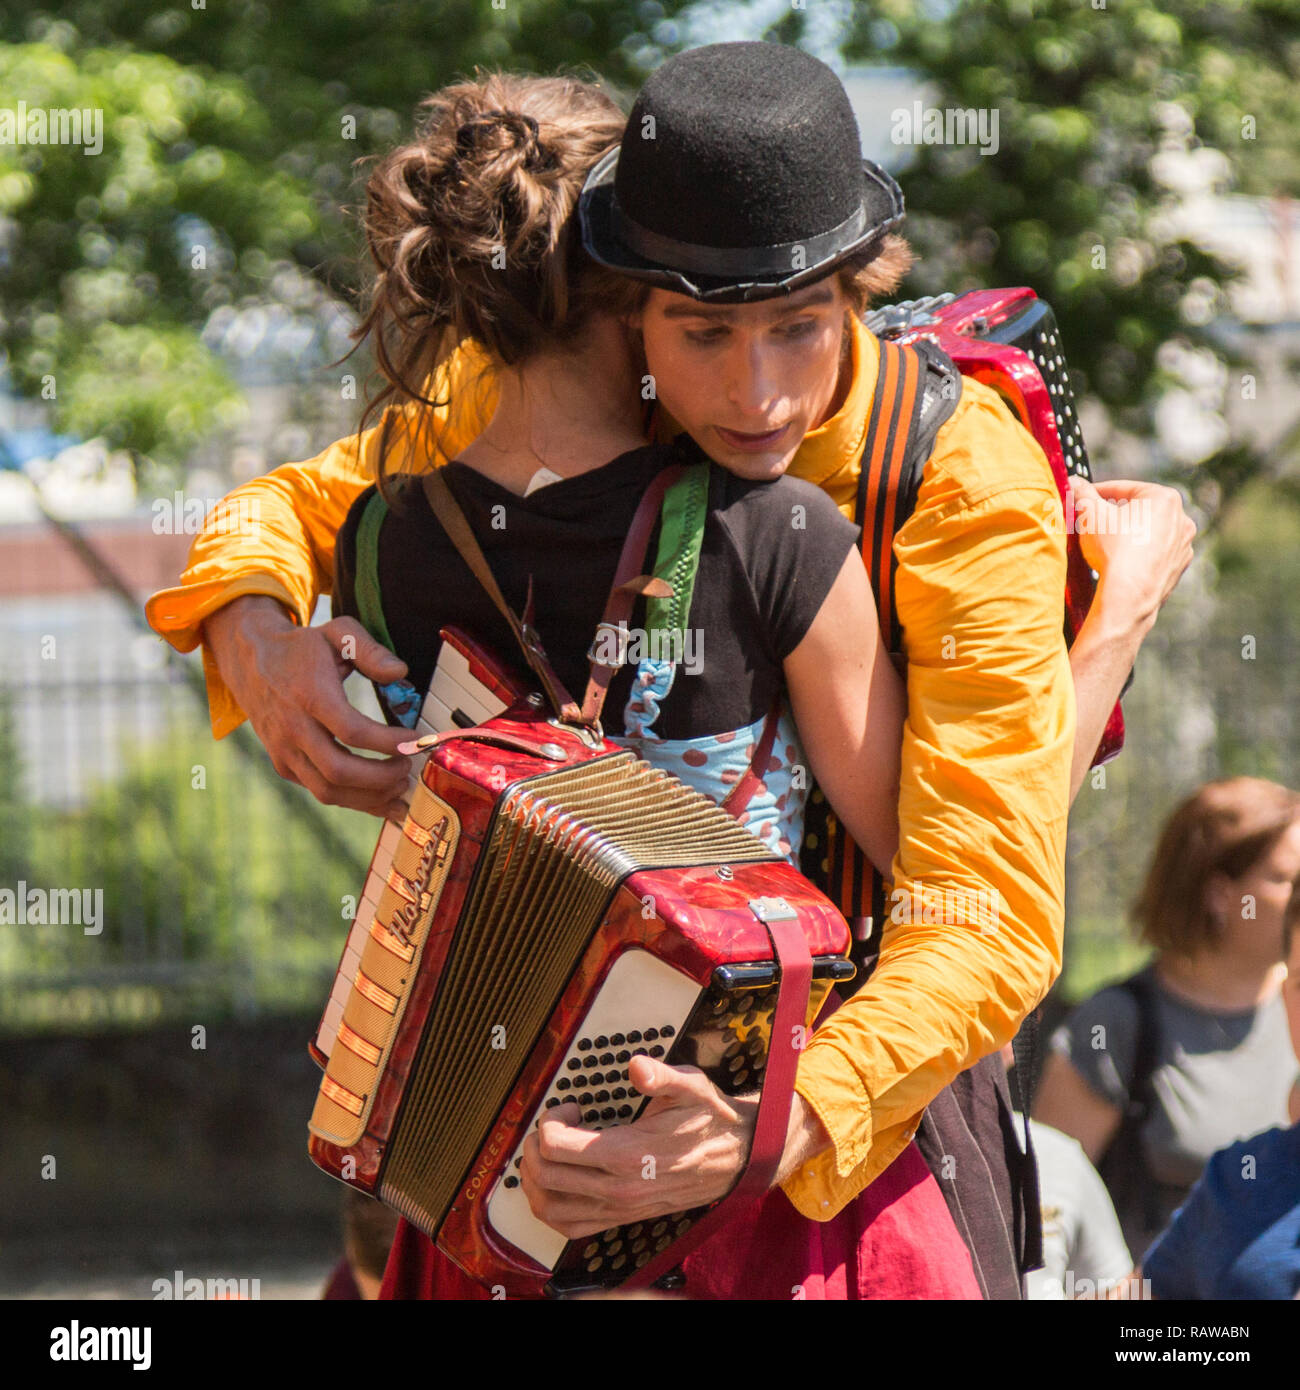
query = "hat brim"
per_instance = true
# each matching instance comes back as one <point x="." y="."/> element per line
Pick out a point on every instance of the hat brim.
<point x="882" y="200"/>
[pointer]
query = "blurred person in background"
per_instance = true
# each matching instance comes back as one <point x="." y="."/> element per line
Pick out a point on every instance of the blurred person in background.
<point x="1155" y="1074"/>
<point x="1238" y="1234"/>
<point x="1084" y="1254"/>
<point x="368" y="1230"/>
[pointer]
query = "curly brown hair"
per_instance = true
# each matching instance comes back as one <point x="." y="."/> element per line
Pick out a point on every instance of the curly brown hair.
<point x="472" y="229"/>
<point x="469" y="226"/>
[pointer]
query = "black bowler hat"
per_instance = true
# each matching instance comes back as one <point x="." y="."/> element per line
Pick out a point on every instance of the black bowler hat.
<point x="740" y="177"/>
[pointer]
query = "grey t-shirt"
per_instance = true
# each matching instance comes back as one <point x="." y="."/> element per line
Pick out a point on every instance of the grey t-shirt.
<point x="1219" y="1077"/>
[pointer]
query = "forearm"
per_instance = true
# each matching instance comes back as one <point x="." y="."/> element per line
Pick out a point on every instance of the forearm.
<point x="1100" y="661"/>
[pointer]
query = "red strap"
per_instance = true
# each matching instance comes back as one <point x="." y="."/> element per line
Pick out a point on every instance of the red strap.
<point x="772" y="1125"/>
<point x="743" y="792"/>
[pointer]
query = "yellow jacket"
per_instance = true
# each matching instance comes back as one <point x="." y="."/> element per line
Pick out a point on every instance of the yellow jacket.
<point x="986" y="747"/>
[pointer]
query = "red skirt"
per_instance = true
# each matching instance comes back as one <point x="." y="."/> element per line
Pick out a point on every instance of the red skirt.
<point x="895" y="1240"/>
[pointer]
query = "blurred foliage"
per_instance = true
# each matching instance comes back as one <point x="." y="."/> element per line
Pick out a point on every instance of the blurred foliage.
<point x="238" y="128"/>
<point x="214" y="902"/>
<point x="1103" y="112"/>
<point x="230" y="132"/>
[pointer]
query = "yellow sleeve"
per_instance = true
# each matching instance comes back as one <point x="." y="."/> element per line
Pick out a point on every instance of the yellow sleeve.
<point x="275" y="534"/>
<point x="975" y="914"/>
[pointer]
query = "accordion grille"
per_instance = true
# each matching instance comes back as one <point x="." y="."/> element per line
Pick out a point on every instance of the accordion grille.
<point x="556" y="850"/>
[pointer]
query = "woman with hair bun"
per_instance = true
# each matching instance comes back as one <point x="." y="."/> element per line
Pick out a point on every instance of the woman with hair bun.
<point x="1154" y="1075"/>
<point x="470" y="228"/>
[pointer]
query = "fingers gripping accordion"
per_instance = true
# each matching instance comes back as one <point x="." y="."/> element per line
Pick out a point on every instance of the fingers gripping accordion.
<point x="555" y="906"/>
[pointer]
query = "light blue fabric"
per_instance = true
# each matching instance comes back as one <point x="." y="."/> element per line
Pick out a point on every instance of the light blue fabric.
<point x="714" y="763"/>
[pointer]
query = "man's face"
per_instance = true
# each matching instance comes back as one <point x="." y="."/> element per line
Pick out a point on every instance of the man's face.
<point x="747" y="381"/>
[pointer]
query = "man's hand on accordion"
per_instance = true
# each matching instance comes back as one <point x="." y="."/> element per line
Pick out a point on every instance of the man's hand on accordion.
<point x="688" y="1148"/>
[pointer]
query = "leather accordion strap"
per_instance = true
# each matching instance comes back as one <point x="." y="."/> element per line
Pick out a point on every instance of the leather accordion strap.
<point x="772" y="1124"/>
<point x="453" y="520"/>
<point x="630" y="581"/>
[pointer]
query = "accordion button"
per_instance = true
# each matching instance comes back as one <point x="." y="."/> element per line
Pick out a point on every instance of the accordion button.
<point x="594" y="1265"/>
<point x="574" y="1063"/>
<point x="586" y="1098"/>
<point x="658" y="1228"/>
<point x="634" y="1037"/>
<point x="651" y="1034"/>
<point x="656" y="1052"/>
<point x="624" y="1111"/>
<point x="622" y="1058"/>
<point x="740" y="1078"/>
<point x="584" y="1045"/>
<point x="591" y="1117"/>
<point x="592" y="1249"/>
<point x="667" y="1031"/>
<point x="606" y="1059"/>
<point x="617" y="1040"/>
<point x="601" y="1042"/>
<point x="562" y="1084"/>
<point x="619" y="1262"/>
<point x="512" y="1182"/>
<point x="607" y="1113"/>
<point x="614" y="1247"/>
<point x="619" y="1093"/>
<point x="611" y="1234"/>
<point x="601" y="1097"/>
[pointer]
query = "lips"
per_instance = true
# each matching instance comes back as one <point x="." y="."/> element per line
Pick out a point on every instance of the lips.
<point x="754" y="443"/>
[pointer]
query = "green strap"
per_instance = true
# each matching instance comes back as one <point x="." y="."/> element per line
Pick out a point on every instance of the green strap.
<point x="366" y="588"/>
<point x="681" y="532"/>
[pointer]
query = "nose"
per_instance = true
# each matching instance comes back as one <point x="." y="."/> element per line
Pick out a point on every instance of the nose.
<point x="751" y="377"/>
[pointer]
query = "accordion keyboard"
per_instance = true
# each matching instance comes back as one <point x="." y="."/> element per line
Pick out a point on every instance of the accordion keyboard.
<point x="454" y="694"/>
<point x="641" y="1007"/>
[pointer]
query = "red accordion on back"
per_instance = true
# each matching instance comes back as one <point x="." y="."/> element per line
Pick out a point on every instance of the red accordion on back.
<point x="555" y="906"/>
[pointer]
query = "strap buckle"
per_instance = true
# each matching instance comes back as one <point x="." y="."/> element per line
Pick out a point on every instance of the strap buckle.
<point x="598" y="654"/>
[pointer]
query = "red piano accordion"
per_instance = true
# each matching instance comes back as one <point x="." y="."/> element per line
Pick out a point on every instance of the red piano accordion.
<point x="1008" y="339"/>
<point x="554" y="907"/>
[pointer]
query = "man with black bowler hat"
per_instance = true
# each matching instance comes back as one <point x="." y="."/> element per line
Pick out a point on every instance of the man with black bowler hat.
<point x="737" y="193"/>
<point x="737" y="198"/>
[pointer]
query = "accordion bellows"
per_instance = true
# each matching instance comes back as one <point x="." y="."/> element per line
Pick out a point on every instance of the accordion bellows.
<point x="546" y="917"/>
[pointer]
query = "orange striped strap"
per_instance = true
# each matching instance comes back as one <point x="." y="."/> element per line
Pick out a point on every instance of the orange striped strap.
<point x="853" y="882"/>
